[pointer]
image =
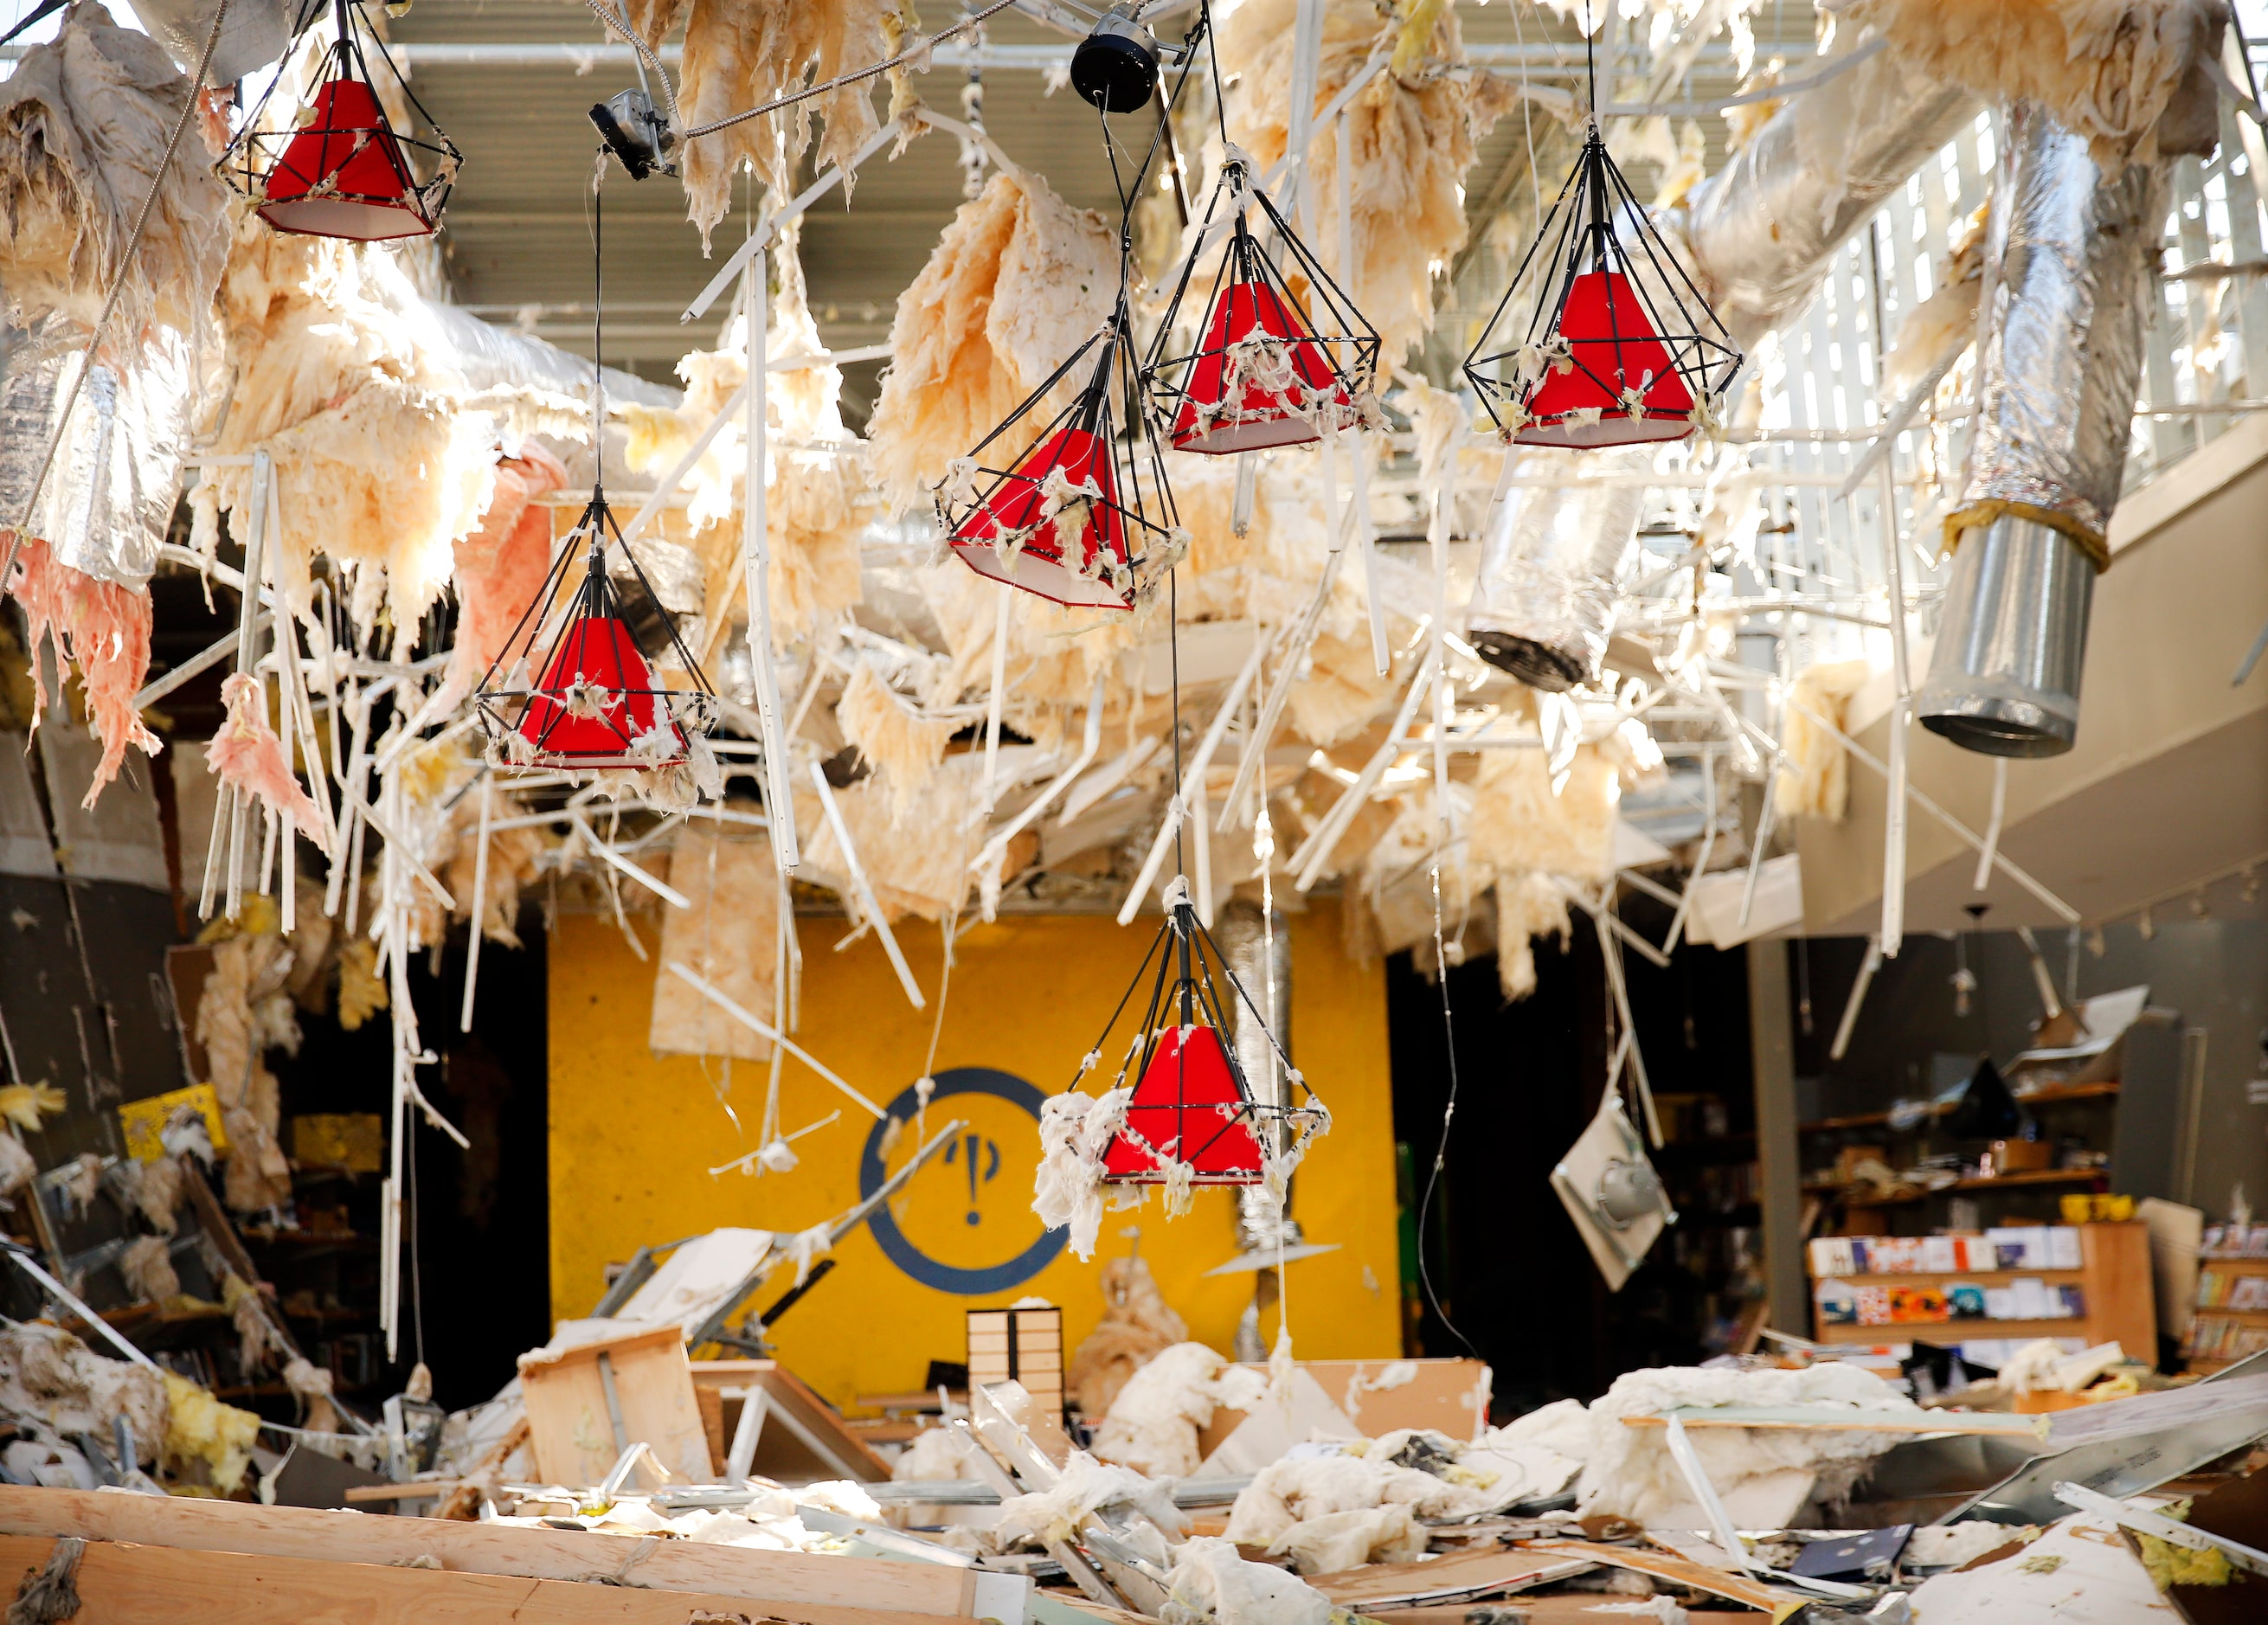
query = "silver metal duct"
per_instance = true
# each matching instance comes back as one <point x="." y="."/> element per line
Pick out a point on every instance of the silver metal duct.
<point x="1762" y="229"/>
<point x="1246" y="945"/>
<point x="109" y="493"/>
<point x="2073" y="256"/>
<point x="1758" y="235"/>
<point x="492" y="357"/>
<point x="1546" y="585"/>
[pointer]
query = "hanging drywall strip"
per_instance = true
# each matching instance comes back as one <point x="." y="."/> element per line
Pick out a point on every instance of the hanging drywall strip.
<point x="755" y="563"/>
<point x="724" y="1001"/>
<point x="870" y="911"/>
<point x="480" y="900"/>
<point x="1199" y="761"/>
<point x="986" y="865"/>
<point x="1307" y="862"/>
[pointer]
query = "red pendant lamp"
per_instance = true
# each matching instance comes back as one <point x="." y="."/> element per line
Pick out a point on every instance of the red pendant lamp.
<point x="1282" y="357"/>
<point x="593" y="703"/>
<point x="1191" y="1116"/>
<point x="1602" y="339"/>
<point x="343" y="170"/>
<point x="1081" y="514"/>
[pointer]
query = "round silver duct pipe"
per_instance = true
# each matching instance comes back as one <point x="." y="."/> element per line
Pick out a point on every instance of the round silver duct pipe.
<point x="1245" y="943"/>
<point x="2073" y="255"/>
<point x="1546" y="585"/>
<point x="2004" y="678"/>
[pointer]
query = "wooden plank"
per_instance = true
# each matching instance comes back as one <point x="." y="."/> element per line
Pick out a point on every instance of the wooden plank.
<point x="1837" y="1420"/>
<point x="780" y="1454"/>
<point x="1940" y="1333"/>
<point x="1779" y="1603"/>
<point x="572" y="1419"/>
<point x="2121" y="1297"/>
<point x="801" y="1586"/>
<point x="1456" y="1576"/>
<point x="131" y="1584"/>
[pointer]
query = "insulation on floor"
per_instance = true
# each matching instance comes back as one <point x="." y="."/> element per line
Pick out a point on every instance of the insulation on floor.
<point x="1136" y="1325"/>
<point x="1154" y="1424"/>
<point x="730" y="936"/>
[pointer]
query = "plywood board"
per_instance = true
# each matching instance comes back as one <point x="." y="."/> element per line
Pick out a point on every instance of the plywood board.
<point x="799" y="1586"/>
<point x="1772" y="1600"/>
<point x="1459" y="1576"/>
<point x="572" y="1422"/>
<point x="804" y="1436"/>
<point x="1378" y="1396"/>
<point x="128" y="1585"/>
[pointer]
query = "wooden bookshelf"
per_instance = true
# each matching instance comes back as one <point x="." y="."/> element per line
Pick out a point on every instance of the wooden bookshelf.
<point x="2113" y="1279"/>
<point x="2220" y="1314"/>
<point x="2002" y="1181"/>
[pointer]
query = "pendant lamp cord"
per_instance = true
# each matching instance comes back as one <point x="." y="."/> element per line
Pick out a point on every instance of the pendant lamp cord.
<point x="598" y="326"/>
<point x="110" y="299"/>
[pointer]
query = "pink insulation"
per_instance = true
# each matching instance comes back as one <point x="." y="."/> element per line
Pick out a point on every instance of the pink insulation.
<point x="248" y="756"/>
<point x="501" y="566"/>
<point x="101" y="627"/>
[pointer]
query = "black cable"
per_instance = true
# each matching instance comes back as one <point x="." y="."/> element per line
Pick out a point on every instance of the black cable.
<point x="1448" y="1116"/>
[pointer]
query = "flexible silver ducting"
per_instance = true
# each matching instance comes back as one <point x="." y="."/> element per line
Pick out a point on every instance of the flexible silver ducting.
<point x="1758" y="236"/>
<point x="1246" y="945"/>
<point x="1761" y="231"/>
<point x="1546" y="585"/>
<point x="109" y="495"/>
<point x="2074" y="257"/>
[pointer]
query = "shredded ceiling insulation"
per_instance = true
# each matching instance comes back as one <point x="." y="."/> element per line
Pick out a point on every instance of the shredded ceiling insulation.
<point x="83" y="122"/>
<point x="1412" y="131"/>
<point x="1017" y="282"/>
<point x="101" y="627"/>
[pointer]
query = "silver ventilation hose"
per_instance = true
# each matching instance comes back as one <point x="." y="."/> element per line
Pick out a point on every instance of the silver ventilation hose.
<point x="2073" y="255"/>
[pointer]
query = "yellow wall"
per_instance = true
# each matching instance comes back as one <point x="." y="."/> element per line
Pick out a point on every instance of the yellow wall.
<point x="633" y="1137"/>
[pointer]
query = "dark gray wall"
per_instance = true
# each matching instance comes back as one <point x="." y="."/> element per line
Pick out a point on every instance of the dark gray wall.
<point x="2214" y="973"/>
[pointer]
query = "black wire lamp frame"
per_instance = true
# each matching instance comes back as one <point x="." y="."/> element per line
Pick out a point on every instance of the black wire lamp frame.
<point x="254" y="153"/>
<point x="1186" y="989"/>
<point x="503" y="706"/>
<point x="1338" y="333"/>
<point x="1578" y="234"/>
<point x="1110" y="406"/>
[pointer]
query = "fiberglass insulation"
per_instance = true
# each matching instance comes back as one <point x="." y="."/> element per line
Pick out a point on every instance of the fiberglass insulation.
<point x="381" y="459"/>
<point x="2128" y="75"/>
<point x="102" y="626"/>
<point x="1413" y="129"/>
<point x="1154" y="1424"/>
<point x="1017" y="282"/>
<point x="84" y="121"/>
<point x="740" y="54"/>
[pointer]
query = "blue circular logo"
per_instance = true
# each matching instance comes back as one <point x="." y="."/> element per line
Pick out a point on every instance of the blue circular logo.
<point x="975" y="1160"/>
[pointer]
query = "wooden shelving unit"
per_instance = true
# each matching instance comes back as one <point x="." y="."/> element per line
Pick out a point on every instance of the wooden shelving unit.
<point x="2052" y="1095"/>
<point x="2113" y="1279"/>
<point x="2210" y="1320"/>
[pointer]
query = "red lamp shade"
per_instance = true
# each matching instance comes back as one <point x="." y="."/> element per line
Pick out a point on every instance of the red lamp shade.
<point x="1188" y="1108"/>
<point x="1268" y="410"/>
<point x="1615" y="349"/>
<point x="1072" y="466"/>
<point x="596" y="697"/>
<point x="343" y="173"/>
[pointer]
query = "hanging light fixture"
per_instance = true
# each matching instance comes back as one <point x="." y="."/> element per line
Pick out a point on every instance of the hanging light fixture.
<point x="1602" y="339"/>
<point x="1192" y="1118"/>
<point x="342" y="169"/>
<point x="572" y="690"/>
<point x="1283" y="357"/>
<point x="1072" y="505"/>
<point x="594" y="702"/>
